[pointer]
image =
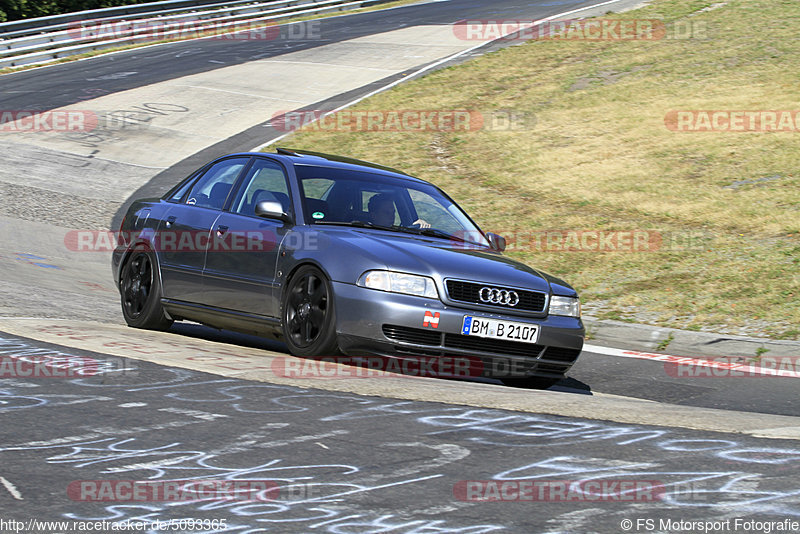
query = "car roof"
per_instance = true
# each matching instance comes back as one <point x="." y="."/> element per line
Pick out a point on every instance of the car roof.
<point x="319" y="159"/>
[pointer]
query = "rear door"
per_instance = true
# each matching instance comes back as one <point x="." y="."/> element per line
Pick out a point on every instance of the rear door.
<point x="185" y="230"/>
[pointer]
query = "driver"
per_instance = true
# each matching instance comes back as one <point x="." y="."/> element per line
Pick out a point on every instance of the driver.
<point x="381" y="211"/>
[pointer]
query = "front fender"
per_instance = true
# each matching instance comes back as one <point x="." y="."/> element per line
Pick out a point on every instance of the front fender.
<point x="339" y="260"/>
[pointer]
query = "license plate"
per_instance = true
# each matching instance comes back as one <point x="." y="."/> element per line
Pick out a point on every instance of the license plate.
<point x="499" y="329"/>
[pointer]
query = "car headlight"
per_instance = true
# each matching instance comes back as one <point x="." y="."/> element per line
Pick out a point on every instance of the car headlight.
<point x="569" y="306"/>
<point x="408" y="284"/>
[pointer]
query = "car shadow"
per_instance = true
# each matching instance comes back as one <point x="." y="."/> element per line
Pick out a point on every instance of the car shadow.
<point x="208" y="333"/>
<point x="571" y="385"/>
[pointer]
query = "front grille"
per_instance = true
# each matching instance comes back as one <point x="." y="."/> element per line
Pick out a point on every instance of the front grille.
<point x="417" y="336"/>
<point x="496" y="346"/>
<point x="469" y="292"/>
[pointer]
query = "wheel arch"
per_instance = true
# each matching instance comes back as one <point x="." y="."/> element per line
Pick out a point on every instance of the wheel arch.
<point x="293" y="270"/>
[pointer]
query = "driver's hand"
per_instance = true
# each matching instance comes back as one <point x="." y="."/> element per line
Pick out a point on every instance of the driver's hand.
<point x="422" y="223"/>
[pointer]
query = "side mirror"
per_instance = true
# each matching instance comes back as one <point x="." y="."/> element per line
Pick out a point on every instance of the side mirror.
<point x="496" y="241"/>
<point x="270" y="209"/>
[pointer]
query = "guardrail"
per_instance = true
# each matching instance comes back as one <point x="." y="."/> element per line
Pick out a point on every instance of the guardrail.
<point x="17" y="28"/>
<point x="45" y="39"/>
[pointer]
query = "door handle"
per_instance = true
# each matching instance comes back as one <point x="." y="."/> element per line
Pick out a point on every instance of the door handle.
<point x="221" y="229"/>
<point x="171" y="219"/>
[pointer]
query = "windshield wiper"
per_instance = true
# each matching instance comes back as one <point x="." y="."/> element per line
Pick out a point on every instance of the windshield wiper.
<point x="362" y="224"/>
<point x="435" y="232"/>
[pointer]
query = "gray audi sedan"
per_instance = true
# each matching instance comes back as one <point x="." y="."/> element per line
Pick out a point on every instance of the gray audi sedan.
<point x="336" y="256"/>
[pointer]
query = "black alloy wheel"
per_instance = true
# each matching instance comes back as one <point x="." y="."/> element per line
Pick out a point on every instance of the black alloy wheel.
<point x="309" y="317"/>
<point x="140" y="289"/>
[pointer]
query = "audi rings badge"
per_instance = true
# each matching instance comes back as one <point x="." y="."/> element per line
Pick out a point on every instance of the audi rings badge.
<point x="492" y="295"/>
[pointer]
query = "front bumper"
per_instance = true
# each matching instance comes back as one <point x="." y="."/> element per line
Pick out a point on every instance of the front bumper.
<point x="371" y="322"/>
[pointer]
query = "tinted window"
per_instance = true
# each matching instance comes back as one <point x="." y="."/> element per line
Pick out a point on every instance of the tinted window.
<point x="212" y="189"/>
<point x="316" y="192"/>
<point x="334" y="196"/>
<point x="264" y="181"/>
<point x="178" y="195"/>
<point x="380" y="207"/>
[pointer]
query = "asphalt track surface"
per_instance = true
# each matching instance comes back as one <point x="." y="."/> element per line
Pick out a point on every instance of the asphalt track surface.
<point x="343" y="463"/>
<point x="686" y="386"/>
<point x="353" y="463"/>
<point x="64" y="84"/>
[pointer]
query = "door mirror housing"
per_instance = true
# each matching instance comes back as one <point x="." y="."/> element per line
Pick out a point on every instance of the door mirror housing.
<point x="271" y="209"/>
<point x="496" y="241"/>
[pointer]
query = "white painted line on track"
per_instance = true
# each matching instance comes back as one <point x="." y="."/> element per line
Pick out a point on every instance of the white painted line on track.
<point x="11" y="489"/>
<point x="433" y="66"/>
<point x="721" y="366"/>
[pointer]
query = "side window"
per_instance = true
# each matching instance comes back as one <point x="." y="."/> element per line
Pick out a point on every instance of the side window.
<point x="264" y="181"/>
<point x="178" y="195"/>
<point x="212" y="189"/>
<point x="316" y="192"/>
<point x="431" y="210"/>
<point x="318" y="188"/>
<point x="380" y="208"/>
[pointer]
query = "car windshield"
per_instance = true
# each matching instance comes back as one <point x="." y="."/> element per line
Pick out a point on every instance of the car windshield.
<point x="370" y="200"/>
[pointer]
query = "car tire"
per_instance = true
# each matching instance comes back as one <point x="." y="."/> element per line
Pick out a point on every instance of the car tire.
<point x="140" y="290"/>
<point x="308" y="314"/>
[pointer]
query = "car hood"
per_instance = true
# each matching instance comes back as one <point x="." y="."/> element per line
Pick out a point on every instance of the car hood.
<point x="440" y="258"/>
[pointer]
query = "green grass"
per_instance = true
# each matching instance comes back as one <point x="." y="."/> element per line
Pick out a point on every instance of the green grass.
<point x="595" y="154"/>
<point x="664" y="343"/>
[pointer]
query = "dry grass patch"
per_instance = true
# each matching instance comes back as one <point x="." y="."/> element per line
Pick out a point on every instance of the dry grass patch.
<point x="598" y="156"/>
